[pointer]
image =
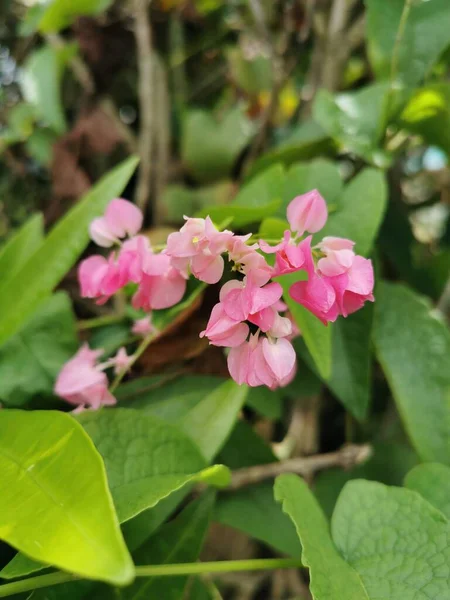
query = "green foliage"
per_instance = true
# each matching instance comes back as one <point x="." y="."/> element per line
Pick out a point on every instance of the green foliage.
<point x="58" y="14"/>
<point x="46" y="342"/>
<point x="331" y="577"/>
<point x="180" y="541"/>
<point x="405" y="38"/>
<point x="146" y="459"/>
<point x="432" y="481"/>
<point x="376" y="527"/>
<point x="210" y="148"/>
<point x="59" y="251"/>
<point x="413" y="347"/>
<point x="46" y="461"/>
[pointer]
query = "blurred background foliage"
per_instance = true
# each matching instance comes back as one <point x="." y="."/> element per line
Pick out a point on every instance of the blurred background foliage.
<point x="235" y="107"/>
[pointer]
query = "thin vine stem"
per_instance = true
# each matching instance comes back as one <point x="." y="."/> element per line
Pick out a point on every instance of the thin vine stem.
<point x="225" y="566"/>
<point x="140" y="350"/>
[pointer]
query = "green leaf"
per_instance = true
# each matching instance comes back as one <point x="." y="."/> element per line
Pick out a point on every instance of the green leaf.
<point x="47" y="341"/>
<point x="59" y="251"/>
<point x="273" y="228"/>
<point x="210" y="148"/>
<point x="307" y="141"/>
<point x="397" y="542"/>
<point x="319" y="174"/>
<point x="360" y="212"/>
<point x="253" y="509"/>
<point x="413" y="347"/>
<point x="268" y="403"/>
<point x="50" y="468"/>
<point x="355" y="120"/>
<point x="428" y="114"/>
<point x="426" y="34"/>
<point x="251" y="75"/>
<point x="178" y="200"/>
<point x="240" y="215"/>
<point x="146" y="459"/>
<point x="262" y="190"/>
<point x="41" y="81"/>
<point x="211" y="421"/>
<point x="316" y="335"/>
<point x="331" y="578"/>
<point x="351" y="375"/>
<point x="18" y="249"/>
<point x="203" y="590"/>
<point x="61" y="13"/>
<point x="180" y="541"/>
<point x="432" y="481"/>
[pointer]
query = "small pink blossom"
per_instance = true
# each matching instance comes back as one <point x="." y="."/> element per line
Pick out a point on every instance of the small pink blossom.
<point x="339" y="256"/>
<point x="307" y="212"/>
<point x="82" y="382"/>
<point x="121" y="218"/>
<point x="121" y="361"/>
<point x="262" y="362"/>
<point x="143" y="327"/>
<point x="289" y="257"/>
<point x="100" y="278"/>
<point x="354" y="287"/>
<point x="199" y="245"/>
<point x="223" y="331"/>
<point x="247" y="259"/>
<point x="133" y="257"/>
<point x="318" y="296"/>
<point x="161" y="286"/>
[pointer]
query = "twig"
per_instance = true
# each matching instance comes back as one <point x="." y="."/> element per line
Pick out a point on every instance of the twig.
<point x="143" y="35"/>
<point x="346" y="457"/>
<point x="443" y="304"/>
<point x="162" y="138"/>
<point x="335" y="53"/>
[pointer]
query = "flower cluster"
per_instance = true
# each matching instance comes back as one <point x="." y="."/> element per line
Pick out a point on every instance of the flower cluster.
<point x="250" y="318"/>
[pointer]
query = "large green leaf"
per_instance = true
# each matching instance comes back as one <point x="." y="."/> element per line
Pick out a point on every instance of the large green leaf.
<point x="307" y="141"/>
<point x="240" y="215"/>
<point x="210" y="148"/>
<point x="424" y="36"/>
<point x="397" y="542"/>
<point x="253" y="509"/>
<point x="331" y="578"/>
<point x="211" y="421"/>
<point x="316" y="335"/>
<point x="47" y="341"/>
<point x="428" y="114"/>
<point x="350" y="379"/>
<point x="55" y="504"/>
<point x="413" y="347"/>
<point x="146" y="459"/>
<point x="262" y="190"/>
<point x="355" y="119"/>
<point x="360" y="210"/>
<point x="58" y="14"/>
<point x="57" y="254"/>
<point x="180" y="541"/>
<point x="18" y="249"/>
<point x="432" y="481"/>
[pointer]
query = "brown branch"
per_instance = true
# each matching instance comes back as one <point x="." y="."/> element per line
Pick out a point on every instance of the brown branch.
<point x="346" y="457"/>
<point x="143" y="35"/>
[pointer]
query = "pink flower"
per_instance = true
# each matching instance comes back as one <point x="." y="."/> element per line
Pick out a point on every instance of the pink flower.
<point x="262" y="362"/>
<point x="354" y="287"/>
<point x="307" y="213"/>
<point x="339" y="256"/>
<point x="133" y="257"/>
<point x="121" y="218"/>
<point x="199" y="245"/>
<point x="121" y="361"/>
<point x="161" y="284"/>
<point x="143" y="326"/>
<point x="318" y="296"/>
<point x="289" y="257"/>
<point x="244" y="300"/>
<point x="223" y="331"/>
<point x="100" y="278"/>
<point x="82" y="382"/>
<point x="247" y="259"/>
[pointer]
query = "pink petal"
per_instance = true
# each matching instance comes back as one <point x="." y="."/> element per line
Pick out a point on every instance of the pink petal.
<point x="91" y="274"/>
<point x="263" y="297"/>
<point x="101" y="234"/>
<point x="207" y="268"/>
<point x="307" y="212"/>
<point x="238" y="362"/>
<point x="280" y="357"/>
<point x="123" y="218"/>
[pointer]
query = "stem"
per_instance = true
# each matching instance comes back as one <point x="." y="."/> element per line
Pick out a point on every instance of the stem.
<point x="141" y="349"/>
<point x="99" y="321"/>
<point x="398" y="39"/>
<point x="34" y="583"/>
